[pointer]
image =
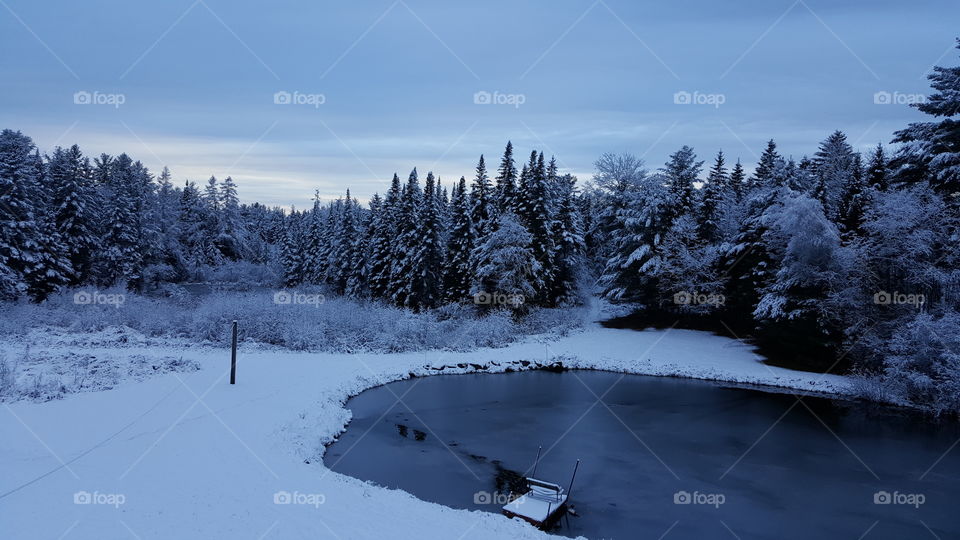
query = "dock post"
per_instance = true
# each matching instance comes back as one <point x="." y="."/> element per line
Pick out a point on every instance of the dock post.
<point x="233" y="355"/>
<point x="570" y="488"/>
<point x="536" y="462"/>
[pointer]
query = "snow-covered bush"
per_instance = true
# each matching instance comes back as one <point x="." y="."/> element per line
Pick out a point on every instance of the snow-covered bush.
<point x="300" y="319"/>
<point x="922" y="363"/>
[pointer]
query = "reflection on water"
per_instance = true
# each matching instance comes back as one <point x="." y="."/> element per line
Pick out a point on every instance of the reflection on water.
<point x="702" y="458"/>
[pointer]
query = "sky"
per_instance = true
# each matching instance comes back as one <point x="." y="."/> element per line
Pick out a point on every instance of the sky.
<point x="293" y="97"/>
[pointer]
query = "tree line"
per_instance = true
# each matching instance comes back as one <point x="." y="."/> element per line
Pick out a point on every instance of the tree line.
<point x="835" y="262"/>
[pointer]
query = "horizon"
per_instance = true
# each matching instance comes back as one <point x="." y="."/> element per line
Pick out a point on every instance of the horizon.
<point x="287" y="102"/>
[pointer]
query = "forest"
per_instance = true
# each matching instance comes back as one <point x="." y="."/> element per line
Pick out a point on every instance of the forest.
<point x="840" y="261"/>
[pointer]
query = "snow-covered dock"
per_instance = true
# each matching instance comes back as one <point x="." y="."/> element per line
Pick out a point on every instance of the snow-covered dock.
<point x="541" y="506"/>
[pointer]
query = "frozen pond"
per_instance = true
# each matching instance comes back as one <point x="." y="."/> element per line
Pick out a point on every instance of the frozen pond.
<point x="751" y="468"/>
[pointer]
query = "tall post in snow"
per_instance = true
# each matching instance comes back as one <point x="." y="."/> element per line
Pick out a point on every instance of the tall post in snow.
<point x="233" y="355"/>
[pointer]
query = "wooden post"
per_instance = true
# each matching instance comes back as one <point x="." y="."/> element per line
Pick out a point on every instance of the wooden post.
<point x="570" y="488"/>
<point x="233" y="356"/>
<point x="536" y="462"/>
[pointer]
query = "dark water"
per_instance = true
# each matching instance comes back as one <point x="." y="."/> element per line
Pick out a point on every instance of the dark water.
<point x="806" y="473"/>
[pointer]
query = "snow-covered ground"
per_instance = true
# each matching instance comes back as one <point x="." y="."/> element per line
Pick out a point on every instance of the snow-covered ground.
<point x="186" y="455"/>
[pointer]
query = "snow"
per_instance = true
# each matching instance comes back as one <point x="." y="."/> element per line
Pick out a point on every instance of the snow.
<point x="186" y="455"/>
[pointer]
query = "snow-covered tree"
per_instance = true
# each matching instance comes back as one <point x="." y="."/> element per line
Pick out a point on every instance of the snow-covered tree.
<point x="680" y="172"/>
<point x="930" y="151"/>
<point x="457" y="277"/>
<point x="506" y="266"/>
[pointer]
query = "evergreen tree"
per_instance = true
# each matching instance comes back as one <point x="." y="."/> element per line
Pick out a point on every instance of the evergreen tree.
<point x="507" y="181"/>
<point x="633" y="270"/>
<point x="291" y="254"/>
<point x="407" y="246"/>
<point x="382" y="244"/>
<point x="24" y="261"/>
<point x="506" y="265"/>
<point x="680" y="172"/>
<point x="481" y="201"/>
<point x="834" y="163"/>
<point x="459" y="246"/>
<point x="75" y="206"/>
<point x="230" y="240"/>
<point x="715" y="192"/>
<point x="853" y="202"/>
<point x="738" y="179"/>
<point x="426" y="291"/>
<point x="877" y="171"/>
<point x="567" y="238"/>
<point x="764" y="171"/>
<point x="930" y="151"/>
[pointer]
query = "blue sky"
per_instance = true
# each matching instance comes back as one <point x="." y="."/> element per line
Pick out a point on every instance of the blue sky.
<point x="398" y="81"/>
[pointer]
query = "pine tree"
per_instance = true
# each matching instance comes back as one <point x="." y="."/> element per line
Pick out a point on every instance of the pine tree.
<point x="347" y="247"/>
<point x="124" y="247"/>
<point x="738" y="179"/>
<point x="231" y="235"/>
<point x="507" y="181"/>
<point x="790" y="309"/>
<point x="24" y="260"/>
<point x="459" y="246"/>
<point x="714" y="196"/>
<point x="407" y="245"/>
<point x="567" y="237"/>
<point x="764" y="171"/>
<point x="291" y="254"/>
<point x="877" y="171"/>
<point x="192" y="231"/>
<point x="426" y="291"/>
<point x="633" y="270"/>
<point x="931" y="150"/>
<point x="853" y="202"/>
<point x="481" y="202"/>
<point x="834" y="163"/>
<point x="75" y="208"/>
<point x="536" y="217"/>
<point x="383" y="240"/>
<point x="506" y="266"/>
<point x="680" y="172"/>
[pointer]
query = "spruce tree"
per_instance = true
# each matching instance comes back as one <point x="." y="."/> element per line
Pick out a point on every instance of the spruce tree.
<point x="764" y="171"/>
<point x="877" y="171"/>
<point x="853" y="202"/>
<point x="681" y="171"/>
<point x="507" y="181"/>
<point x="738" y="180"/>
<point x="75" y="206"/>
<point x="930" y="151"/>
<point x="382" y="243"/>
<point x="407" y="245"/>
<point x="457" y="275"/>
<point x="481" y="200"/>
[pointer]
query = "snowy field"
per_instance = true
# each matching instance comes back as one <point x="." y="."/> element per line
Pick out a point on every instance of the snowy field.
<point x="183" y="454"/>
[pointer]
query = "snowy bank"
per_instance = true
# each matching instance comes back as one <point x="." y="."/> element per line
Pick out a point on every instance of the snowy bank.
<point x="189" y="456"/>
